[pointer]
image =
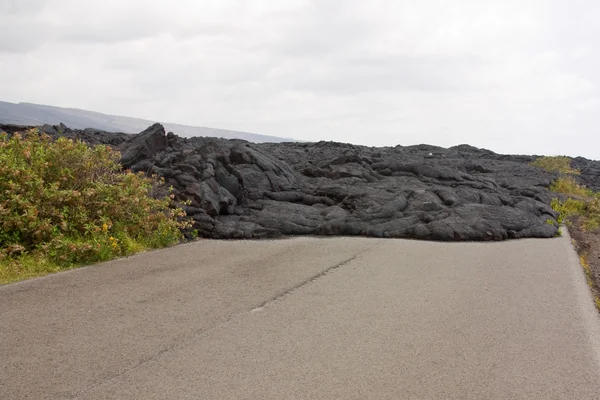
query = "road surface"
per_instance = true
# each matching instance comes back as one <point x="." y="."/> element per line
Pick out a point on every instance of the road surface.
<point x="308" y="318"/>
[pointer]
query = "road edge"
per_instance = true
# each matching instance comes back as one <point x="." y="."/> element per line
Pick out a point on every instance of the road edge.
<point x="585" y="299"/>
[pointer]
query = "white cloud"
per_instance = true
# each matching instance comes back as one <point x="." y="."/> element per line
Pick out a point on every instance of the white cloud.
<point x="513" y="76"/>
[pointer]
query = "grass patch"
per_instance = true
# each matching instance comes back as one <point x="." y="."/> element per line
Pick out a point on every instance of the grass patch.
<point x="27" y="266"/>
<point x="568" y="185"/>
<point x="587" y="210"/>
<point x="559" y="164"/>
<point x="64" y="204"/>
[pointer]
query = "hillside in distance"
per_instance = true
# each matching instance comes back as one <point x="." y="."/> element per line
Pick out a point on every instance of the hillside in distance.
<point x="36" y="114"/>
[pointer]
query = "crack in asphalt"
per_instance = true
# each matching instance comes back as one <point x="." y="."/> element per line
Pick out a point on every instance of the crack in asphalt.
<point x="304" y="283"/>
<point x="186" y="338"/>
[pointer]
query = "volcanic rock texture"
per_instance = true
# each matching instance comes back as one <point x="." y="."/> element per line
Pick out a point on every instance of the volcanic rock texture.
<point x="240" y="190"/>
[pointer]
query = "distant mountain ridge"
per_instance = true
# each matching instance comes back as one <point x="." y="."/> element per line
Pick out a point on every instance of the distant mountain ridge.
<point x="37" y="114"/>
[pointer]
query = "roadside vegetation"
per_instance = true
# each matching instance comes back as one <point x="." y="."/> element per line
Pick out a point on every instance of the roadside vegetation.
<point x="581" y="202"/>
<point x="560" y="164"/>
<point x="64" y="204"/>
<point x="580" y="211"/>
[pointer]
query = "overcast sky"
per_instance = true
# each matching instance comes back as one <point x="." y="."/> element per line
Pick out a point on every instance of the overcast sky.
<point x="518" y="76"/>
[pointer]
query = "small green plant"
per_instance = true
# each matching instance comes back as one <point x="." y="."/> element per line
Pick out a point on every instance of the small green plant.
<point x="560" y="164"/>
<point x="558" y="232"/>
<point x="64" y="204"/>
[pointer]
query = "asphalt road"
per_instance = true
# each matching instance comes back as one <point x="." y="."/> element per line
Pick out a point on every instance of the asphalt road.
<point x="307" y="318"/>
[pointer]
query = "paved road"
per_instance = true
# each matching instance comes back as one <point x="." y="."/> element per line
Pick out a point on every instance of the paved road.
<point x="341" y="318"/>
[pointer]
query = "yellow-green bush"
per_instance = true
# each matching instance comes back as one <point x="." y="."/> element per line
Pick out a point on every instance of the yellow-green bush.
<point x="568" y="185"/>
<point x="587" y="209"/>
<point x="560" y="164"/>
<point x="63" y="204"/>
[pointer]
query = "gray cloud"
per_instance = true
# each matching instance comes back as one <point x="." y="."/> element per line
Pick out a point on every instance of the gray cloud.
<point x="514" y="76"/>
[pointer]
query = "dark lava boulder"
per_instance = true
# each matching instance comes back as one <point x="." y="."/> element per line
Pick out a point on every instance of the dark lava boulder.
<point x="143" y="146"/>
<point x="238" y="189"/>
<point x="590" y="172"/>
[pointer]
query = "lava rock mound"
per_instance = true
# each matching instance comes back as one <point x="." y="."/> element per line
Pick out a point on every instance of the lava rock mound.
<point x="245" y="190"/>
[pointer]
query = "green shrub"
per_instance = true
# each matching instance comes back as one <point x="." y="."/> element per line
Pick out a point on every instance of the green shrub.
<point x="560" y="164"/>
<point x="64" y="204"/>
